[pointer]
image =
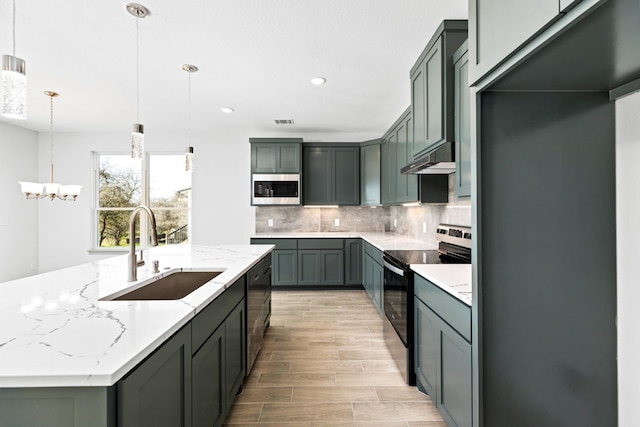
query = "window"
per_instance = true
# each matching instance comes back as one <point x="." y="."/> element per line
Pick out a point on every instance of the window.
<point x="158" y="181"/>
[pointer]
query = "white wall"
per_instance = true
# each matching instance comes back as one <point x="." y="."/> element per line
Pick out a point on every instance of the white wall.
<point x="18" y="217"/>
<point x="628" y="263"/>
<point x="220" y="206"/>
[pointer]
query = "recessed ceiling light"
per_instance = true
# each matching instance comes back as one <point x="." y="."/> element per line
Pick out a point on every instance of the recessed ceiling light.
<point x="227" y="110"/>
<point x="318" y="81"/>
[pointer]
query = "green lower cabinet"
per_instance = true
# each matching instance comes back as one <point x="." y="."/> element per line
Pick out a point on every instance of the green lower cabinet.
<point x="235" y="353"/>
<point x="157" y="393"/>
<point x="443" y="366"/>
<point x="321" y="267"/>
<point x="373" y="280"/>
<point x="285" y="267"/>
<point x="208" y="381"/>
<point x="353" y="261"/>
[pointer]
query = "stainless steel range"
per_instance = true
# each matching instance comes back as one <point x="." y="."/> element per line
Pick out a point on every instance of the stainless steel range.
<point x="454" y="247"/>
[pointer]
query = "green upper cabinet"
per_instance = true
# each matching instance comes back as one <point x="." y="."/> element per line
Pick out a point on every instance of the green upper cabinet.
<point x="462" y="121"/>
<point x="370" y="173"/>
<point x="331" y="174"/>
<point x="432" y="88"/>
<point x="398" y="188"/>
<point x="275" y="155"/>
<point x="497" y="28"/>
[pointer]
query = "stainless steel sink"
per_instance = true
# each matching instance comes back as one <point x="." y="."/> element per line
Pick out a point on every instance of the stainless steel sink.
<point x="172" y="287"/>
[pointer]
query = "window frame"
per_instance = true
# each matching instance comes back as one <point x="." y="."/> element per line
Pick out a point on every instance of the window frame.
<point x="144" y="199"/>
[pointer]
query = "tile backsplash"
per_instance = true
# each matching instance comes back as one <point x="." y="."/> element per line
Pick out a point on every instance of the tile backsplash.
<point x="408" y="221"/>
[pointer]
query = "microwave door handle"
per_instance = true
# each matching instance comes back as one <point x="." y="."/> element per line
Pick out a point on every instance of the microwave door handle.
<point x="393" y="268"/>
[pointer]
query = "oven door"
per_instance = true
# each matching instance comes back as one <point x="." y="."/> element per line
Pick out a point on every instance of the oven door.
<point x="396" y="294"/>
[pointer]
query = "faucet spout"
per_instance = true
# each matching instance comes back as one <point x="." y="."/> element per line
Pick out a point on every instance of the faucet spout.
<point x="133" y="261"/>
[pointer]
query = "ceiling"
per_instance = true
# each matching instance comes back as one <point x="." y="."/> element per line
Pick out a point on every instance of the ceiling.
<point x="256" y="56"/>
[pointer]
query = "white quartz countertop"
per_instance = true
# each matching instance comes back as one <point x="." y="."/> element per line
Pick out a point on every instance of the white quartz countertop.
<point x="383" y="241"/>
<point x="57" y="332"/>
<point x="452" y="278"/>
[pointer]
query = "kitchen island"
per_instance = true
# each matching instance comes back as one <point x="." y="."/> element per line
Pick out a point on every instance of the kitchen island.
<point x="64" y="347"/>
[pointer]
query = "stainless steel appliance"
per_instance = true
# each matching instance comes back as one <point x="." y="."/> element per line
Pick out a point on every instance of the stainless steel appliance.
<point x="275" y="189"/>
<point x="258" y="307"/>
<point x="454" y="247"/>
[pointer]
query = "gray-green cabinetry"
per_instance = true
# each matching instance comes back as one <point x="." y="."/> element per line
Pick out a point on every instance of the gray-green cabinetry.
<point x="370" y="173"/>
<point x="284" y="258"/>
<point x="321" y="262"/>
<point x="443" y="351"/>
<point x="331" y="174"/>
<point x="462" y="121"/>
<point x="396" y="153"/>
<point x="275" y="155"/>
<point x="353" y="261"/>
<point x="373" y="274"/>
<point x="432" y="88"/>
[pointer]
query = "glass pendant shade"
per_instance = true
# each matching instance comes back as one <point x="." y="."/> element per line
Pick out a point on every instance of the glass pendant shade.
<point x="137" y="141"/>
<point x="32" y="190"/>
<point x="188" y="155"/>
<point x="13" y="80"/>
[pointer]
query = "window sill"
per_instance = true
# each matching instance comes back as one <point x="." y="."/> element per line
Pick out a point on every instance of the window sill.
<point x="96" y="251"/>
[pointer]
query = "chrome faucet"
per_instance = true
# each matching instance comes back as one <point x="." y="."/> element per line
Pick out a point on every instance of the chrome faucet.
<point x="133" y="260"/>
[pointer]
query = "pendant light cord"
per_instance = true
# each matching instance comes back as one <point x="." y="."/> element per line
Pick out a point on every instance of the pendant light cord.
<point x="51" y="139"/>
<point x="137" y="72"/>
<point x="189" y="108"/>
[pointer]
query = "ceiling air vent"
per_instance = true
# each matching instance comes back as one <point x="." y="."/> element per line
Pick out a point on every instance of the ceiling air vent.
<point x="284" y="121"/>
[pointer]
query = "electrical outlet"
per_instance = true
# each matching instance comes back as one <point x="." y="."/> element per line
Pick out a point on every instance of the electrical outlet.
<point x="270" y="222"/>
<point x="424" y="227"/>
<point x="336" y="222"/>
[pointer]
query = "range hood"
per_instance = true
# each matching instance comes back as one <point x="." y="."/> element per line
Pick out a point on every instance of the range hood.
<point x="439" y="161"/>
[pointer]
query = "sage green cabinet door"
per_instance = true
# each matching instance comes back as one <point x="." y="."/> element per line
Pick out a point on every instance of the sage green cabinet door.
<point x="346" y="176"/>
<point x="157" y="393"/>
<point x="285" y="267"/>
<point x="455" y="387"/>
<point x="208" y="379"/>
<point x="370" y="174"/>
<point x="317" y="176"/>
<point x="463" y="122"/>
<point x="378" y="283"/>
<point x="406" y="185"/>
<point x="309" y="265"/>
<point x="275" y="157"/>
<point x="353" y="261"/>
<point x="386" y="195"/>
<point x="427" y="348"/>
<point x="321" y="266"/>
<point x="499" y="27"/>
<point x="392" y="165"/>
<point x="235" y="359"/>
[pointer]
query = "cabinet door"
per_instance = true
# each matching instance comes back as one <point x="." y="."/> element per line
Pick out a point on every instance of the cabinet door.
<point x="427" y="348"/>
<point x="332" y="267"/>
<point x="368" y="274"/>
<point x="208" y="374"/>
<point x="317" y="176"/>
<point x="463" y="126"/>
<point x="287" y="158"/>
<point x="370" y="175"/>
<point x="346" y="176"/>
<point x="157" y="393"/>
<point x="285" y="267"/>
<point x="263" y="158"/>
<point x="499" y="27"/>
<point x="309" y="265"/>
<point x="378" y="283"/>
<point x="235" y="353"/>
<point x="455" y="388"/>
<point x="394" y="172"/>
<point x="353" y="261"/>
<point x="406" y="185"/>
<point x="427" y="101"/>
<point x="385" y="172"/>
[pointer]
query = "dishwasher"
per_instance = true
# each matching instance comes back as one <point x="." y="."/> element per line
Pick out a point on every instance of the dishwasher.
<point x="258" y="307"/>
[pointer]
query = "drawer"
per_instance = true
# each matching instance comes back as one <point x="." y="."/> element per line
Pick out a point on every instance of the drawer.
<point x="453" y="311"/>
<point x="373" y="252"/>
<point x="320" y="243"/>
<point x="280" y="243"/>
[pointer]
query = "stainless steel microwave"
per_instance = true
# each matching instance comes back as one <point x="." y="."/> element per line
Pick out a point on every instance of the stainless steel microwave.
<point x="273" y="189"/>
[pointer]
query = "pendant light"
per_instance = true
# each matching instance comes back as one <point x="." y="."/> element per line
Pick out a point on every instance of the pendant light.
<point x="189" y="150"/>
<point x="13" y="82"/>
<point x="36" y="190"/>
<point x="137" y="135"/>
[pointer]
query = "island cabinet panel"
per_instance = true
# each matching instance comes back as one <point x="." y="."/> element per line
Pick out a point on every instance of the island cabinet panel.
<point x="432" y="114"/>
<point x="235" y="353"/>
<point x="58" y="407"/>
<point x="208" y="381"/>
<point x="157" y="393"/>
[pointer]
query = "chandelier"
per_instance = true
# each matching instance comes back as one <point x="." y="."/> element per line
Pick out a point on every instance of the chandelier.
<point x="13" y="82"/>
<point x="36" y="190"/>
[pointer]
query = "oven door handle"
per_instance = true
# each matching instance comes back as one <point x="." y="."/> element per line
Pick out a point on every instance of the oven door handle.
<point x="393" y="268"/>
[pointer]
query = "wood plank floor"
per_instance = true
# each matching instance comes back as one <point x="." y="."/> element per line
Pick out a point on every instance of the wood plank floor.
<point x="324" y="363"/>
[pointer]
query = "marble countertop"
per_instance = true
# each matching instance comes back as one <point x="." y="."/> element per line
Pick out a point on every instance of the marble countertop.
<point x="57" y="332"/>
<point x="452" y="278"/>
<point x="383" y="241"/>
